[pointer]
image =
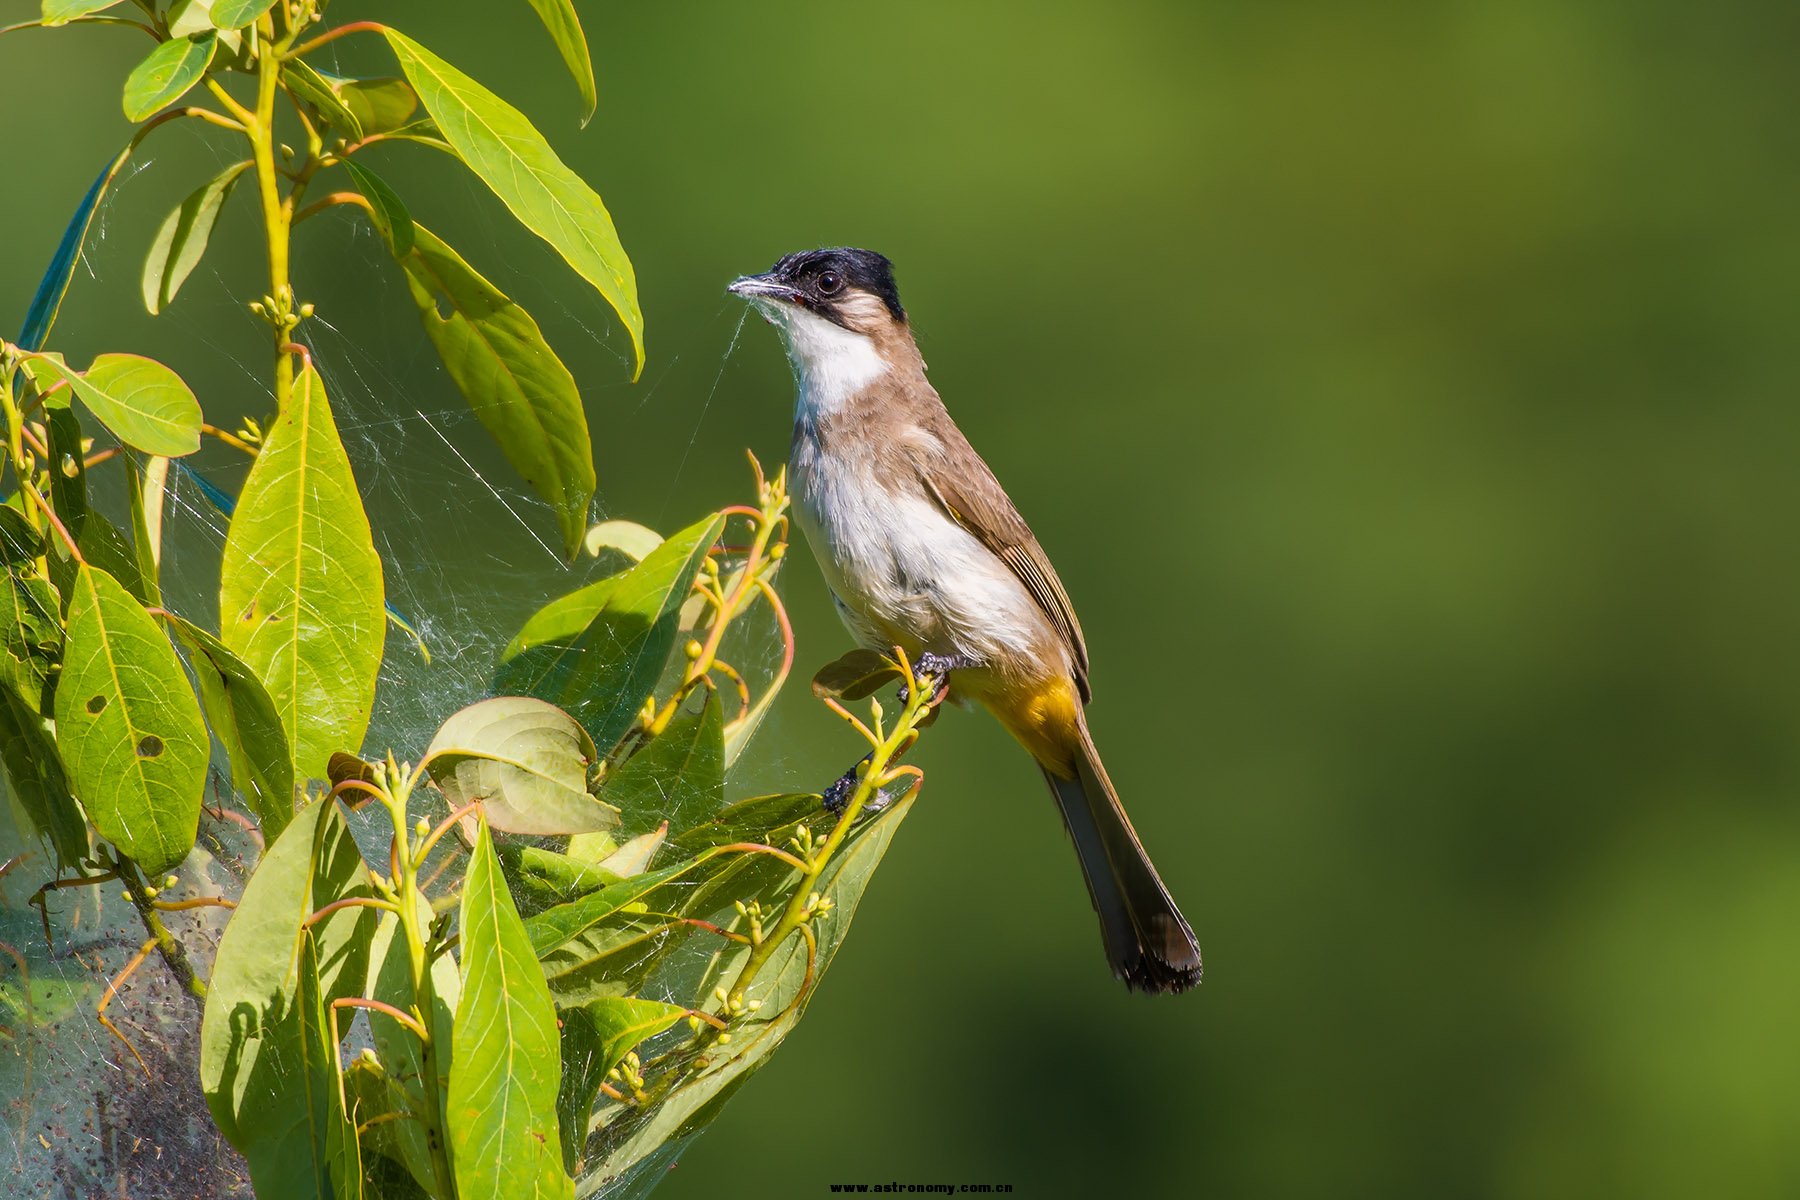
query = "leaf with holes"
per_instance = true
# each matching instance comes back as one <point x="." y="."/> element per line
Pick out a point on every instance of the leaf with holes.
<point x="244" y="719"/>
<point x="509" y="155"/>
<point x="255" y="1061"/>
<point x="526" y="760"/>
<point x="183" y="237"/>
<point x="501" y="1109"/>
<point x="300" y="585"/>
<point x="559" y="18"/>
<point x="167" y="73"/>
<point x="500" y="362"/>
<point x="128" y="726"/>
<point x="145" y="404"/>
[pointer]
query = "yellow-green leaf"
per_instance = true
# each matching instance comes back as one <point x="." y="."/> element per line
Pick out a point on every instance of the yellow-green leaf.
<point x="128" y="726"/>
<point x="595" y="1038"/>
<point x="501" y="1109"/>
<point x="517" y="386"/>
<point x="509" y="155"/>
<point x="61" y="12"/>
<point x="145" y="404"/>
<point x="312" y="87"/>
<point x="300" y="593"/>
<point x="559" y="18"/>
<point x="235" y="14"/>
<point x="379" y="105"/>
<point x="167" y="73"/>
<point x="562" y="619"/>
<point x="183" y="237"/>
<point x="243" y="717"/>
<point x="528" y="762"/>
<point x="386" y="209"/>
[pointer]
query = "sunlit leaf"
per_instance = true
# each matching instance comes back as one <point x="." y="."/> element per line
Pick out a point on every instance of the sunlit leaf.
<point x="496" y="142"/>
<point x="144" y="404"/>
<point x="39" y="781"/>
<point x="183" y="237"/>
<point x="300" y="593"/>
<point x="562" y="619"/>
<point x="635" y="856"/>
<point x="501" y="1110"/>
<point x="854" y="675"/>
<point x="379" y="105"/>
<point x="604" y="676"/>
<point x="565" y="30"/>
<point x="235" y="14"/>
<point x="255" y="1063"/>
<point x="627" y="537"/>
<point x="387" y="210"/>
<point x="61" y="12"/>
<point x="167" y="73"/>
<point x="555" y="926"/>
<point x="526" y="760"/>
<point x="595" y="1038"/>
<point x="31" y="632"/>
<point x="518" y="387"/>
<point x="128" y="726"/>
<point x="244" y="719"/>
<point x="316" y="90"/>
<point x="679" y="776"/>
<point x="54" y="285"/>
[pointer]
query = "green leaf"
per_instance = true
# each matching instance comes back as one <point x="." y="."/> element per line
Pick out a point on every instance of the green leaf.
<point x="562" y="619"/>
<point x="604" y="676"/>
<point x="61" y="12"/>
<point x="389" y="213"/>
<point x="542" y="879"/>
<point x="496" y="142"/>
<point x="256" y="1066"/>
<point x="35" y="771"/>
<point x="183" y="237"/>
<point x="235" y="14"/>
<point x="854" y="675"/>
<point x="336" y="1158"/>
<point x="526" y="760"/>
<point x="243" y="717"/>
<point x="679" y="776"/>
<point x="31" y="632"/>
<point x="555" y="926"/>
<point x="565" y="30"/>
<point x="504" y="1082"/>
<point x="379" y="105"/>
<point x="143" y="403"/>
<point x="518" y="387"/>
<point x="391" y="982"/>
<point x="595" y="1039"/>
<point x="128" y="726"/>
<point x="312" y="87"/>
<point x="300" y="583"/>
<point x="166" y="74"/>
<point x="629" y="538"/>
<point x="612" y="958"/>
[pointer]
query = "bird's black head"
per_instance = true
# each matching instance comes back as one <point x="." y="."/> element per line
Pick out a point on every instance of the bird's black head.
<point x="838" y="284"/>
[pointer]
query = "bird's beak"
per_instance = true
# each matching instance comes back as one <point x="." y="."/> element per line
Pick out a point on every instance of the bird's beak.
<point x="757" y="287"/>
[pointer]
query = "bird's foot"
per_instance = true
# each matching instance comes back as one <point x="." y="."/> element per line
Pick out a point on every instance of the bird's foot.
<point x="936" y="668"/>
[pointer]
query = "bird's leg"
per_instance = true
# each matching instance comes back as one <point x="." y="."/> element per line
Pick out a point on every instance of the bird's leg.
<point x="937" y="668"/>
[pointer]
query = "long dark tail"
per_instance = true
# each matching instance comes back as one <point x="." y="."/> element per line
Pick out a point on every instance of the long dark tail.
<point x="1147" y="939"/>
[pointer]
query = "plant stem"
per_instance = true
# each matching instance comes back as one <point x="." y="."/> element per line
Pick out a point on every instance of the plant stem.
<point x="173" y="953"/>
<point x="260" y="129"/>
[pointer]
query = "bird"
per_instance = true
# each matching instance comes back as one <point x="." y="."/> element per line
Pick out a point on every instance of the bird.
<point x="923" y="550"/>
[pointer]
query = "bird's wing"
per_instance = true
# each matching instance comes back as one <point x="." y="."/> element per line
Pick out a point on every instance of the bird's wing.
<point x="966" y="489"/>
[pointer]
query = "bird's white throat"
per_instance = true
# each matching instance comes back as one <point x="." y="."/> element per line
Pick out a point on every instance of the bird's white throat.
<point x="831" y="364"/>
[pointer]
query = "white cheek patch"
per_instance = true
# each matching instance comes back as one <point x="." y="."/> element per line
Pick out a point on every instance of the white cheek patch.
<point x="831" y="364"/>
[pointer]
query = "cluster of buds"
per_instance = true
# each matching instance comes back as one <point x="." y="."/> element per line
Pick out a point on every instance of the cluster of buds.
<point x="733" y="1004"/>
<point x="279" y="311"/>
<point x="629" y="1072"/>
<point x="816" y="906"/>
<point x="804" y="843"/>
<point x="754" y="912"/>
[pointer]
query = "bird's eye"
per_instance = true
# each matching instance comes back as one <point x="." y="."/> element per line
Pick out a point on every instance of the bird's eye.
<point x="830" y="282"/>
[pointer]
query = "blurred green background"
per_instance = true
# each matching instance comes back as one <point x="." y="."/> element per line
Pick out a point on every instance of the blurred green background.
<point x="1406" y="394"/>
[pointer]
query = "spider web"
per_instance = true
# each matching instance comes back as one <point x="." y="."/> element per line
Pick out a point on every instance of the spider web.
<point x="80" y="1116"/>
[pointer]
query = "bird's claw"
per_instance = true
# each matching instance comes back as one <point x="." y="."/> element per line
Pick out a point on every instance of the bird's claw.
<point x="937" y="668"/>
